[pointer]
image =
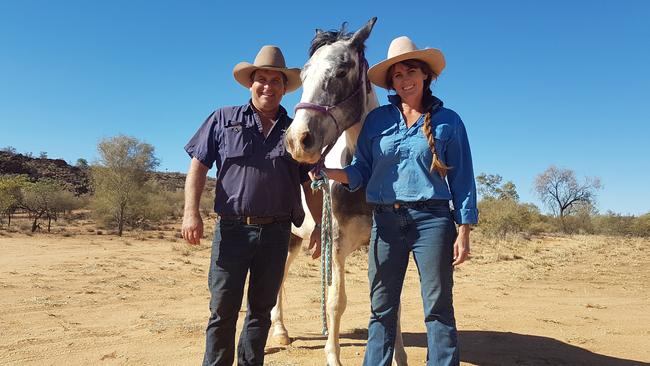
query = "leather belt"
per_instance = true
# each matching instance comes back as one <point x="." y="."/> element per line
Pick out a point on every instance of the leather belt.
<point x="254" y="220"/>
<point x="417" y="205"/>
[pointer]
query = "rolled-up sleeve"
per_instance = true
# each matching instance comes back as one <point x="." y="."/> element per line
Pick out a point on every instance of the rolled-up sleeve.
<point x="203" y="145"/>
<point x="360" y="168"/>
<point x="461" y="176"/>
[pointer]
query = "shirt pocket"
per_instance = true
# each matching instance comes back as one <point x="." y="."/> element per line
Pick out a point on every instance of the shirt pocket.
<point x="238" y="140"/>
<point x="385" y="143"/>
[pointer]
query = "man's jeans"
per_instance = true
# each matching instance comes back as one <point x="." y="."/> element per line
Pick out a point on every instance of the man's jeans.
<point x="237" y="249"/>
<point x="429" y="232"/>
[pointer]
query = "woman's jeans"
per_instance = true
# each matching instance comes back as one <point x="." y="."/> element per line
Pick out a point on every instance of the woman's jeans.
<point x="238" y="249"/>
<point x="427" y="230"/>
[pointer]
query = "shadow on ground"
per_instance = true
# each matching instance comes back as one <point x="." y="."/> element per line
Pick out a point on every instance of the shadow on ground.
<point x="486" y="348"/>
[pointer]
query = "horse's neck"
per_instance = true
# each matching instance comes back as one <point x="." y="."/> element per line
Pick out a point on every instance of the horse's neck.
<point x="348" y="141"/>
<point x="352" y="133"/>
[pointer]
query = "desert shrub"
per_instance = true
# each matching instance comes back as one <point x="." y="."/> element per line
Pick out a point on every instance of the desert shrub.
<point x="150" y="206"/>
<point x="207" y="203"/>
<point x="641" y="225"/>
<point x="614" y="224"/>
<point x="10" y="195"/>
<point x="176" y="202"/>
<point x="500" y="217"/>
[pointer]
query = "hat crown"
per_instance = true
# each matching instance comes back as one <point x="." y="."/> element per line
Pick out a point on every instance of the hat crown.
<point x="401" y="45"/>
<point x="270" y="56"/>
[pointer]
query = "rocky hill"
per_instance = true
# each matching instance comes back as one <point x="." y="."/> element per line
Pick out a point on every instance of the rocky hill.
<point x="76" y="178"/>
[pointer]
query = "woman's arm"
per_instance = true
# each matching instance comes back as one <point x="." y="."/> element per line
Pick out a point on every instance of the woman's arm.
<point x="461" y="245"/>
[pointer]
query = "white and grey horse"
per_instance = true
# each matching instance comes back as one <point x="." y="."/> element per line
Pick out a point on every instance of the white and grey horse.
<point x="335" y="101"/>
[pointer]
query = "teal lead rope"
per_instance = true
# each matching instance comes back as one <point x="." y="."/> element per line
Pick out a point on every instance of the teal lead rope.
<point x="326" y="243"/>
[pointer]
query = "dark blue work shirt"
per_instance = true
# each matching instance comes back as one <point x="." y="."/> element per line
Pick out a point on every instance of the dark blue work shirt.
<point x="256" y="176"/>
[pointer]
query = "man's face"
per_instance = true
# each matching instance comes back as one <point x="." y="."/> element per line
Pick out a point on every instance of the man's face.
<point x="267" y="89"/>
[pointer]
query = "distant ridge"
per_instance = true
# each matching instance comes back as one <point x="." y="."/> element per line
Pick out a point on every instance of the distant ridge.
<point x="76" y="178"/>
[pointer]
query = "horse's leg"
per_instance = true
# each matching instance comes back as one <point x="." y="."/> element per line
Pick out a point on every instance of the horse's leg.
<point x="336" y="302"/>
<point x="280" y="334"/>
<point x="399" y="355"/>
<point x="352" y="215"/>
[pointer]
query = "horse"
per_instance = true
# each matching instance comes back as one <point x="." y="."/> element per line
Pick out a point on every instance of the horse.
<point x="335" y="100"/>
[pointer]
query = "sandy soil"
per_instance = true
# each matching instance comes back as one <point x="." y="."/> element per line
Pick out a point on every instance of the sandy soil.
<point x="75" y="298"/>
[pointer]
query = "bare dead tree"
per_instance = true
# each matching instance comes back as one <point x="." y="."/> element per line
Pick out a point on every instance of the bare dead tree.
<point x="560" y="190"/>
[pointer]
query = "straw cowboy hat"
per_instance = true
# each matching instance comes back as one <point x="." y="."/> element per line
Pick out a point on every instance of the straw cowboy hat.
<point x="268" y="58"/>
<point x="401" y="49"/>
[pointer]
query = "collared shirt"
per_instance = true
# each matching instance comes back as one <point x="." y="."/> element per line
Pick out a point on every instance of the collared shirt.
<point x="256" y="176"/>
<point x="393" y="161"/>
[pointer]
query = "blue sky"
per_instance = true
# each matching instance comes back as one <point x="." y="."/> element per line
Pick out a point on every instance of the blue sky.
<point x="537" y="83"/>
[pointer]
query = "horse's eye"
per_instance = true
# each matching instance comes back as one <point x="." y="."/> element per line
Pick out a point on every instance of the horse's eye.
<point x="341" y="74"/>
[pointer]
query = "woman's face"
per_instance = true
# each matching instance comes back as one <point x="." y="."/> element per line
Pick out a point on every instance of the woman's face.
<point x="408" y="82"/>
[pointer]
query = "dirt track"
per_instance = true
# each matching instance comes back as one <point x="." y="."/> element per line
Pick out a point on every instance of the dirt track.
<point x="91" y="299"/>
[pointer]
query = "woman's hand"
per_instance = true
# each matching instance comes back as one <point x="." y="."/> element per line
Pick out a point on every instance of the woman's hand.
<point x="338" y="175"/>
<point x="315" y="175"/>
<point x="461" y="246"/>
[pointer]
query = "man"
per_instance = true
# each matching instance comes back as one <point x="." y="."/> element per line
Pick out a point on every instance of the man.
<point x="257" y="199"/>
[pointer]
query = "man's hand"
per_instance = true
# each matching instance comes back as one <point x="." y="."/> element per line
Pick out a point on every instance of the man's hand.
<point x="192" y="228"/>
<point x="461" y="246"/>
<point x="314" y="243"/>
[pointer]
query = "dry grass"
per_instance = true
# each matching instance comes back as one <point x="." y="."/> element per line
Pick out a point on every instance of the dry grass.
<point x="131" y="301"/>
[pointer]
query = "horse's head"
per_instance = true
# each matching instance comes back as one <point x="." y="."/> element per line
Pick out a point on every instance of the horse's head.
<point x="334" y="95"/>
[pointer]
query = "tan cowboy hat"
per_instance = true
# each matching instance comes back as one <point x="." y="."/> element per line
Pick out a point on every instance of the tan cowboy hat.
<point x="269" y="58"/>
<point x="401" y="49"/>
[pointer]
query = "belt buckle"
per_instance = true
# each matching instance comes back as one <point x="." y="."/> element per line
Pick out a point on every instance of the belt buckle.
<point x="248" y="220"/>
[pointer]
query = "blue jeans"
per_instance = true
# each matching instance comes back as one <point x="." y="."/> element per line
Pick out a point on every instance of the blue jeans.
<point x="429" y="232"/>
<point x="238" y="249"/>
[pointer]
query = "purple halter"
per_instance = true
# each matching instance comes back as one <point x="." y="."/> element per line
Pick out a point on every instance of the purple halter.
<point x="327" y="109"/>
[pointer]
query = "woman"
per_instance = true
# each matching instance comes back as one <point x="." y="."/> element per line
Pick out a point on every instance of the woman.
<point x="413" y="157"/>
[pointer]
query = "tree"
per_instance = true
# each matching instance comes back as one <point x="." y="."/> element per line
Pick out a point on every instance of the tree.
<point x="489" y="186"/>
<point x="10" y="195"/>
<point x="9" y="149"/>
<point x="119" y="178"/>
<point x="82" y="163"/>
<point x="43" y="199"/>
<point x="559" y="190"/>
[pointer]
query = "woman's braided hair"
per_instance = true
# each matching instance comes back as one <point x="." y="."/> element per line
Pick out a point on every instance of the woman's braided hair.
<point x="427" y="103"/>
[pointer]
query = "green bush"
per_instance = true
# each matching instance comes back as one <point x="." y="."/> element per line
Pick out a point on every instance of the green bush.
<point x="499" y="217"/>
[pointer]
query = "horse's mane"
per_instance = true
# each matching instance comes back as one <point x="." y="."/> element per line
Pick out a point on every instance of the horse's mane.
<point x="323" y="38"/>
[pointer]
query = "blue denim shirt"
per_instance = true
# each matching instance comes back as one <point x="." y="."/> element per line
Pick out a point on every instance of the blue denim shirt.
<point x="393" y="161"/>
<point x="256" y="176"/>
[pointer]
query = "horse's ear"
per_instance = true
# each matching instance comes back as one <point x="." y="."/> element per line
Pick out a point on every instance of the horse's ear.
<point x="360" y="36"/>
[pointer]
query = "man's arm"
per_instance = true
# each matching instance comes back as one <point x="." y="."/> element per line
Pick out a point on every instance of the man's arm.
<point x="192" y="228"/>
<point x="314" y="201"/>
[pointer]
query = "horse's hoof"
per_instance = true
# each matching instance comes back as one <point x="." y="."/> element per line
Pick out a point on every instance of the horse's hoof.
<point x="282" y="340"/>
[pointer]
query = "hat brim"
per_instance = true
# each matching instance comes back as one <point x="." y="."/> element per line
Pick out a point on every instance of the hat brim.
<point x="243" y="71"/>
<point x="431" y="56"/>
